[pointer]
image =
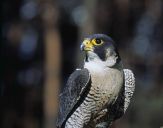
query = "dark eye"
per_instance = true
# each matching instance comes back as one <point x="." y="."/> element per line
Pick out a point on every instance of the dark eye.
<point x="98" y="41"/>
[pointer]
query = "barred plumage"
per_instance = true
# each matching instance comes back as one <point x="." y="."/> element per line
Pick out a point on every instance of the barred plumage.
<point x="99" y="93"/>
<point x="129" y="87"/>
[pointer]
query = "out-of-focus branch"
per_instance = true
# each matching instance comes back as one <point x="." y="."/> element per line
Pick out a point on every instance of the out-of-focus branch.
<point x="52" y="62"/>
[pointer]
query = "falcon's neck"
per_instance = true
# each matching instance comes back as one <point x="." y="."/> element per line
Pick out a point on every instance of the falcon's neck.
<point x="108" y="80"/>
<point x="100" y="66"/>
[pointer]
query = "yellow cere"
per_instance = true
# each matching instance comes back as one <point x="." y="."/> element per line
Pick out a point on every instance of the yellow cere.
<point x="88" y="45"/>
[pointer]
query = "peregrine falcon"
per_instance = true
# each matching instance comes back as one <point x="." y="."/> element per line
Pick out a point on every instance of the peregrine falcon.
<point x="100" y="92"/>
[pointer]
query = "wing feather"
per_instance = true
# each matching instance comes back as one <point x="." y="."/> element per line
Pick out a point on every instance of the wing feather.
<point x="129" y="87"/>
<point x="123" y="100"/>
<point x="76" y="87"/>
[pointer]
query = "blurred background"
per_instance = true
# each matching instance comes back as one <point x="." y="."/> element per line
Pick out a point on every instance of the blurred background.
<point x="40" y="47"/>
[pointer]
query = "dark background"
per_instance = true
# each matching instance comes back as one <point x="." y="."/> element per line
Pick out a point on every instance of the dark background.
<point x="29" y="65"/>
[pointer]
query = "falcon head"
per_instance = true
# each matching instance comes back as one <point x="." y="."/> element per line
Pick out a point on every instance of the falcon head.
<point x="100" y="48"/>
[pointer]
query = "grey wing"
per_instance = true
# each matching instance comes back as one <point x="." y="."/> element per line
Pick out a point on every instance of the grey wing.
<point x="77" y="85"/>
<point x="121" y="104"/>
<point x="119" y="107"/>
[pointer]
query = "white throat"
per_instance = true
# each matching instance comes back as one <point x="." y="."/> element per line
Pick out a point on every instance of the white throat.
<point x="94" y="66"/>
<point x="95" y="62"/>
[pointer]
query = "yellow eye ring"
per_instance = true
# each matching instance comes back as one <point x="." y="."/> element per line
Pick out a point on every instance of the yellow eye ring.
<point x="97" y="41"/>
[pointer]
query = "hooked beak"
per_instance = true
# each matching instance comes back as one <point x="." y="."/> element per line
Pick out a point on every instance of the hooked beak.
<point x="86" y="45"/>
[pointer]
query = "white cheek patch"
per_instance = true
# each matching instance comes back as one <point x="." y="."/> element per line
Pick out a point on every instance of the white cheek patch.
<point x="111" y="58"/>
<point x="95" y="63"/>
<point x="92" y="55"/>
<point x="111" y="61"/>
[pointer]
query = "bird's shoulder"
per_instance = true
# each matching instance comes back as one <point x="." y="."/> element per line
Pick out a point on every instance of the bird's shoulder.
<point x="73" y="93"/>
